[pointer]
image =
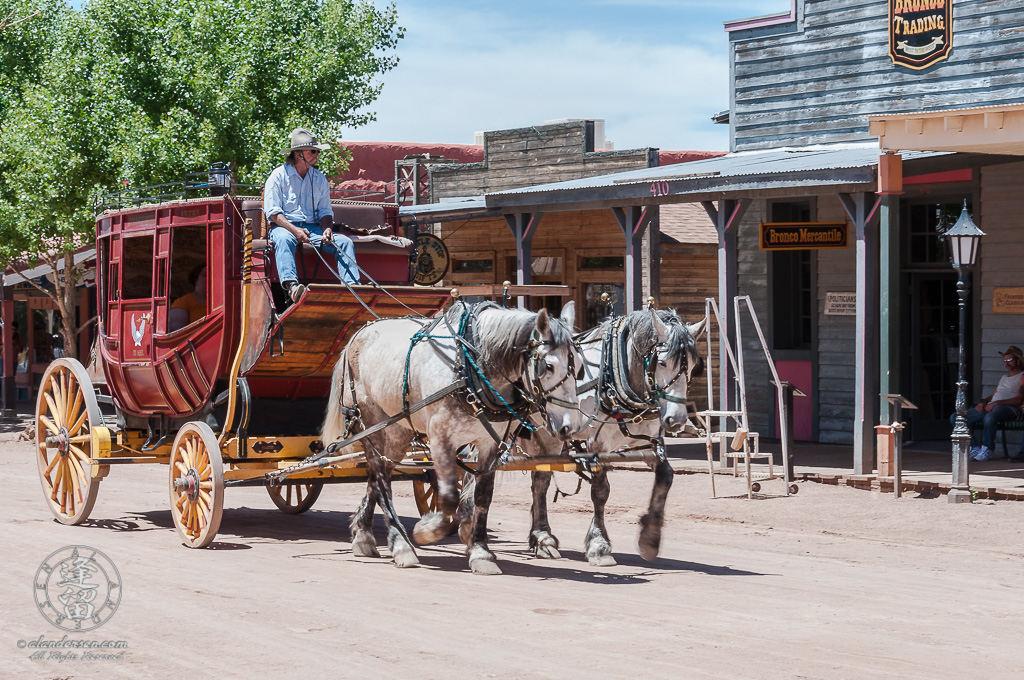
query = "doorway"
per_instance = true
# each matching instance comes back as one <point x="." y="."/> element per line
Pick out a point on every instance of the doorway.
<point x="931" y="318"/>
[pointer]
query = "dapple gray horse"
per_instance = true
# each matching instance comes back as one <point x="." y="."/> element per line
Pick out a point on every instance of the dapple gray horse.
<point x="642" y="363"/>
<point x="392" y="363"/>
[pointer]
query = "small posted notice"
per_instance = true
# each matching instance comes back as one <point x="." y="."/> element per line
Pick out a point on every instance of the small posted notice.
<point x="840" y="304"/>
<point x="1008" y="301"/>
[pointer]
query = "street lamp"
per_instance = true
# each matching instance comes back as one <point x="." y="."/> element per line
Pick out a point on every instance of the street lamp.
<point x="964" y="238"/>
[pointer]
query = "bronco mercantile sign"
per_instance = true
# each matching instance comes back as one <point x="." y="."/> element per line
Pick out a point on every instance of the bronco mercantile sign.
<point x="920" y="32"/>
<point x="803" y="235"/>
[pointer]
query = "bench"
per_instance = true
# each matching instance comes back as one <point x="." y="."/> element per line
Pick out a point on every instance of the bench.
<point x="384" y="260"/>
<point x="1014" y="425"/>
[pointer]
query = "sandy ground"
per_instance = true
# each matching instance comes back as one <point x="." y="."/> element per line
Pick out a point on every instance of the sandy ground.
<point x="829" y="583"/>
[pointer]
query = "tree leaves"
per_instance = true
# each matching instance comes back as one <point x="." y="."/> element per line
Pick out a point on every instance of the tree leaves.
<point x="143" y="91"/>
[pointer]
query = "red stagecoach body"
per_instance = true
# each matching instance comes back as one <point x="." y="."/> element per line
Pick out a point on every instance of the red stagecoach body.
<point x="145" y="254"/>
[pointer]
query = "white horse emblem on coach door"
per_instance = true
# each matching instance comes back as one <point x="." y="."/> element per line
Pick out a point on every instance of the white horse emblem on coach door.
<point x="137" y="333"/>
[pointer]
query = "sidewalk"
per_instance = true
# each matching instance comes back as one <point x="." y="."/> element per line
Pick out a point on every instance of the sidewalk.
<point x="927" y="467"/>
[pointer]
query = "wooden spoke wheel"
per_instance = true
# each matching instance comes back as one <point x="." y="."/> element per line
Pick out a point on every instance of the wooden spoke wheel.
<point x="196" y="484"/>
<point x="294" y="498"/>
<point x="66" y="412"/>
<point x="425" y="493"/>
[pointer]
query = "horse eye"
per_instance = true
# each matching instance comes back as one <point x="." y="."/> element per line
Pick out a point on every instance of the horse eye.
<point x="550" y="368"/>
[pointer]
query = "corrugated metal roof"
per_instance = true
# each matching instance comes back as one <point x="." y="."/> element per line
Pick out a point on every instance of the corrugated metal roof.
<point x="449" y="205"/>
<point x="782" y="161"/>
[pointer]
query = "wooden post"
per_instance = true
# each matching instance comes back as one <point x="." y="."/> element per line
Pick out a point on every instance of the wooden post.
<point x="865" y="388"/>
<point x="633" y="221"/>
<point x="726" y="216"/>
<point x="888" y="298"/>
<point x="523" y="226"/>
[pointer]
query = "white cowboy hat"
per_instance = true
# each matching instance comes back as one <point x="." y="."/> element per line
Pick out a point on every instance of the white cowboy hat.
<point x="301" y="138"/>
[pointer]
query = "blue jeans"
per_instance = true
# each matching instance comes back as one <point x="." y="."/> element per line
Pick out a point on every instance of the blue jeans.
<point x="990" y="420"/>
<point x="342" y="248"/>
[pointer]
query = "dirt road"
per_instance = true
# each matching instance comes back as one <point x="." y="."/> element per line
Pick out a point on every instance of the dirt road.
<point x="829" y="583"/>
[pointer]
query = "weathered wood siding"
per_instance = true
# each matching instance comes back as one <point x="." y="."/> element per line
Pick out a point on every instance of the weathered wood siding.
<point x="1001" y="264"/>
<point x="752" y="280"/>
<point x="816" y="80"/>
<point x="837" y="273"/>
<point x="689" y="274"/>
<point x="835" y="340"/>
<point x="534" y="155"/>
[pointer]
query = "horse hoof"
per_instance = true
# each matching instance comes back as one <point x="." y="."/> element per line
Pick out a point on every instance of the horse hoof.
<point x="604" y="560"/>
<point x="548" y="552"/>
<point x="363" y="546"/>
<point x="650" y="538"/>
<point x="405" y="558"/>
<point x="545" y="546"/>
<point x="485" y="568"/>
<point x="482" y="561"/>
<point x="431" y="528"/>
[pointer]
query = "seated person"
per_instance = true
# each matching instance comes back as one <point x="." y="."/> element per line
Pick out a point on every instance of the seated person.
<point x="190" y="306"/>
<point x="297" y="202"/>
<point x="1003" y="404"/>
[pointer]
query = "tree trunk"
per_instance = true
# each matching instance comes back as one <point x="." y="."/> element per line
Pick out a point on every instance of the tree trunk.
<point x="65" y="295"/>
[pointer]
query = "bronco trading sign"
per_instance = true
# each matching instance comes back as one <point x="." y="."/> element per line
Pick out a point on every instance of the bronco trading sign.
<point x="920" y="32"/>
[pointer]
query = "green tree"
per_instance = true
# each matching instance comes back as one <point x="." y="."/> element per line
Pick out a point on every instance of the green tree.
<point x="137" y="92"/>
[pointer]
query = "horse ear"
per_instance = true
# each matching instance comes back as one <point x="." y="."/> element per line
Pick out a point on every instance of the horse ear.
<point x="697" y="329"/>
<point x="568" y="314"/>
<point x="543" y="323"/>
<point x="660" y="329"/>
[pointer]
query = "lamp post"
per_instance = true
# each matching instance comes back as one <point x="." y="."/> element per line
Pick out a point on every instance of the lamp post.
<point x="964" y="238"/>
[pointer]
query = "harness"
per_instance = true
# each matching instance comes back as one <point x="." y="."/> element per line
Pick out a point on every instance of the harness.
<point x="616" y="398"/>
<point x="472" y="387"/>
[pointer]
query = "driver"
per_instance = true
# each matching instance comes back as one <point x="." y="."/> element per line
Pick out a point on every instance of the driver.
<point x="297" y="201"/>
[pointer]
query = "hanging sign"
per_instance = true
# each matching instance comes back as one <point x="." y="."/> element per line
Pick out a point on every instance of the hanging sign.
<point x="803" y="235"/>
<point x="920" y="32"/>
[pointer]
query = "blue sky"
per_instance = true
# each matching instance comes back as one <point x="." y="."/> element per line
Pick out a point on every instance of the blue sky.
<point x="655" y="70"/>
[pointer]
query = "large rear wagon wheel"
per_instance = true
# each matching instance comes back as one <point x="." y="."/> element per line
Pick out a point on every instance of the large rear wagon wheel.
<point x="294" y="499"/>
<point x="66" y="411"/>
<point x="196" y="484"/>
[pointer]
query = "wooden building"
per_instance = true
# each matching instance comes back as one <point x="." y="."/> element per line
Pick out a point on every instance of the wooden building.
<point x="875" y="311"/>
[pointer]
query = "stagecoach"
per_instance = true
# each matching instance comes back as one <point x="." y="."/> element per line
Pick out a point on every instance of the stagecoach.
<point x="237" y="397"/>
<point x="230" y="396"/>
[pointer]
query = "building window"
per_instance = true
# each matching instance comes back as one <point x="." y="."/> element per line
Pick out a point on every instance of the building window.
<point x="616" y="263"/>
<point x="791" y="275"/>
<point x="473" y="266"/>
<point x="926" y="222"/>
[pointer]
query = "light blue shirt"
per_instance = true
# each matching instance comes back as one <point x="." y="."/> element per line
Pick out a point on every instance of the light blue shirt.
<point x="302" y="200"/>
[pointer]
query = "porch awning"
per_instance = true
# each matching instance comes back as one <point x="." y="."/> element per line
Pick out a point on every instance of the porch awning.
<point x="984" y="129"/>
<point x="11" y="278"/>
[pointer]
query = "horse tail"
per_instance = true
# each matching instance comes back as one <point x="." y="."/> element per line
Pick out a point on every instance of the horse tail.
<point x="334" y="422"/>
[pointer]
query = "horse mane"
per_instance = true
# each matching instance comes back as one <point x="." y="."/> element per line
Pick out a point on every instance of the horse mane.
<point x="503" y="335"/>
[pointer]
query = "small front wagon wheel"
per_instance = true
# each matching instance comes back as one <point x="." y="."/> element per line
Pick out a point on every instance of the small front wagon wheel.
<point x="66" y="412"/>
<point x="294" y="499"/>
<point x="196" y="484"/>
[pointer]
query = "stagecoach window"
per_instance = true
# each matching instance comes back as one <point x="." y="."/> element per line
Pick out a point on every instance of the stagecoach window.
<point x="137" y="267"/>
